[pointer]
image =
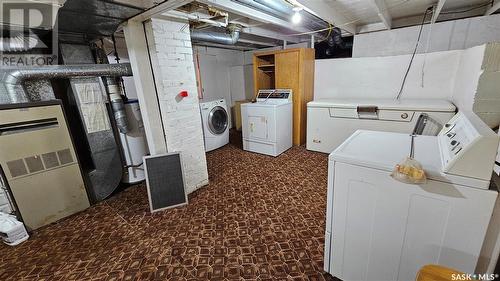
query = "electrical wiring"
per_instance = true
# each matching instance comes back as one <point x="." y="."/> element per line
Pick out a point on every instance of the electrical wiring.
<point x="330" y="28"/>
<point x="414" y="53"/>
<point x="429" y="34"/>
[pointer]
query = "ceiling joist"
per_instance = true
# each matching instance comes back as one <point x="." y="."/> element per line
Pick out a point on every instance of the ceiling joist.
<point x="325" y="10"/>
<point x="163" y="7"/>
<point x="264" y="32"/>
<point x="242" y="10"/>
<point x="383" y="13"/>
<point x="437" y="10"/>
<point x="493" y="9"/>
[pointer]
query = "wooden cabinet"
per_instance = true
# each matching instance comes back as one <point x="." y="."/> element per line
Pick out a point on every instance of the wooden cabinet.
<point x="288" y="69"/>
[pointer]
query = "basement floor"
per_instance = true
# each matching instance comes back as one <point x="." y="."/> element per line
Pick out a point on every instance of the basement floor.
<point x="260" y="218"/>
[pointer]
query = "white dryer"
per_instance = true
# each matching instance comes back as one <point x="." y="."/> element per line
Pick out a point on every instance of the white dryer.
<point x="267" y="123"/>
<point x="378" y="228"/>
<point x="215" y="124"/>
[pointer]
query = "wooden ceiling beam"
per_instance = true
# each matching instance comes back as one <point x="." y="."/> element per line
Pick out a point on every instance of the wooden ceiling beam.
<point x="493" y="9"/>
<point x="383" y="13"/>
<point x="437" y="10"/>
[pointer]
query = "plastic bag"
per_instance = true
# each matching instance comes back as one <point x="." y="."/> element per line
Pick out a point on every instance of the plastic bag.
<point x="12" y="231"/>
<point x="409" y="171"/>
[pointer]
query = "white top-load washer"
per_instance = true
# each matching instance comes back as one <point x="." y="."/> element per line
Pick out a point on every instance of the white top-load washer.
<point x="215" y="123"/>
<point x="378" y="228"/>
<point x="267" y="123"/>
<point x="332" y="121"/>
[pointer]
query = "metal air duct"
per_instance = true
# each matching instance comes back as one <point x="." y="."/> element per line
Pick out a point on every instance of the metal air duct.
<point x="222" y="38"/>
<point x="16" y="77"/>
<point x="284" y="10"/>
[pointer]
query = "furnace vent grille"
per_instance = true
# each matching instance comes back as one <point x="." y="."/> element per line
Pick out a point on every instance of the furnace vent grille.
<point x="34" y="164"/>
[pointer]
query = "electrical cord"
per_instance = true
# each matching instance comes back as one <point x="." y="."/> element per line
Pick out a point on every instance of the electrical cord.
<point x="330" y="28"/>
<point x="133" y="165"/>
<point x="414" y="53"/>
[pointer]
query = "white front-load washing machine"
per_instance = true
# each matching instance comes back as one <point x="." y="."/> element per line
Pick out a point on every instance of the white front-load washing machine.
<point x="215" y="124"/>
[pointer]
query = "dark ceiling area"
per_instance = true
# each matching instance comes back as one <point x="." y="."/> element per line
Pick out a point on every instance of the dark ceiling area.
<point x="95" y="18"/>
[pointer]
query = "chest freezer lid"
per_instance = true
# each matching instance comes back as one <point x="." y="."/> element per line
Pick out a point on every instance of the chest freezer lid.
<point x="426" y="105"/>
<point x="383" y="150"/>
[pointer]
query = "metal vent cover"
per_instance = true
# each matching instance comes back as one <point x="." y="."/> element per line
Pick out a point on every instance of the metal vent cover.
<point x="65" y="156"/>
<point x="165" y="181"/>
<point x="17" y="168"/>
<point x="50" y="160"/>
<point x="34" y="163"/>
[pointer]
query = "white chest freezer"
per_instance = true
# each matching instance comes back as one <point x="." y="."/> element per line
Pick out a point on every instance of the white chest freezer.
<point x="331" y="121"/>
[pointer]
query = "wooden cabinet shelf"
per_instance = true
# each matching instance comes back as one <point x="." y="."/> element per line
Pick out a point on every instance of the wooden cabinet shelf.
<point x="262" y="66"/>
<point x="288" y="69"/>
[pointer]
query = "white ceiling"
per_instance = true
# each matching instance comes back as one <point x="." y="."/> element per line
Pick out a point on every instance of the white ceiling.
<point x="352" y="16"/>
<point x="401" y="12"/>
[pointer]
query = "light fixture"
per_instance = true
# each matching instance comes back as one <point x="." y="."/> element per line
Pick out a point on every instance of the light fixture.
<point x="297" y="17"/>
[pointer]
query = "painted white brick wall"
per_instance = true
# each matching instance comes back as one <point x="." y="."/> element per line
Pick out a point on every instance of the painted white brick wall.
<point x="173" y="67"/>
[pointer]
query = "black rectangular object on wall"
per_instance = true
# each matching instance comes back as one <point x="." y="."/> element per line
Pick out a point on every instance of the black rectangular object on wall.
<point x="165" y="181"/>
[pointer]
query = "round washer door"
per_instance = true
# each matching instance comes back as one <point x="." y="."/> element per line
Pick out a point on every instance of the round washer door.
<point x="217" y="120"/>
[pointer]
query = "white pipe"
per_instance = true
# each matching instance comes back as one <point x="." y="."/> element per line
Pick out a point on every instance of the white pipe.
<point x="181" y="15"/>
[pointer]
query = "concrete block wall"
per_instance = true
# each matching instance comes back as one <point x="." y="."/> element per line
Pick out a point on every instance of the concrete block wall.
<point x="449" y="35"/>
<point x="431" y="76"/>
<point x="172" y="60"/>
<point x="477" y="82"/>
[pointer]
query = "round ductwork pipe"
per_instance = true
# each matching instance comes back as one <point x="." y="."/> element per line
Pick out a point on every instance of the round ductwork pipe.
<point x="229" y="38"/>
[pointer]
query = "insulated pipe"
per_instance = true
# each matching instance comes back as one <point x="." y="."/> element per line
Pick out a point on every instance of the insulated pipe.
<point x="17" y="77"/>
<point x="280" y="6"/>
<point x="216" y="37"/>
<point x="281" y="13"/>
<point x="114" y="90"/>
<point x="284" y="11"/>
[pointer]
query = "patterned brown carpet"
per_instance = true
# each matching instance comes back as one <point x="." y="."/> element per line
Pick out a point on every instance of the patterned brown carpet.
<point x="261" y="218"/>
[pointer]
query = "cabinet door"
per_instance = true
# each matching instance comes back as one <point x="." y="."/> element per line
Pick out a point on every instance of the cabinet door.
<point x="287" y="77"/>
<point x="287" y="71"/>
